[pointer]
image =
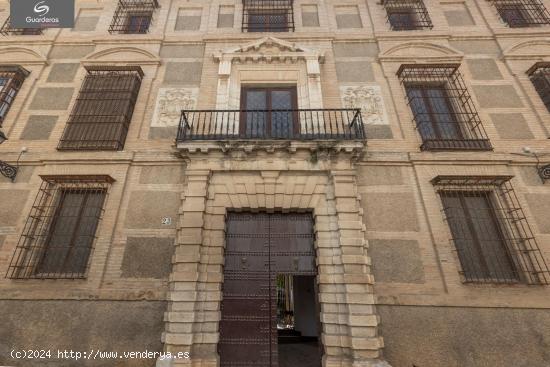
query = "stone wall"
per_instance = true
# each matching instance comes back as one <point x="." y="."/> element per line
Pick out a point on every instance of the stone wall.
<point x="80" y="326"/>
<point x="465" y="337"/>
<point x="414" y="260"/>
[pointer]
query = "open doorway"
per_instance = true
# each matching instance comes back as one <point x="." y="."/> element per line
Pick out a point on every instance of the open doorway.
<point x="297" y="321"/>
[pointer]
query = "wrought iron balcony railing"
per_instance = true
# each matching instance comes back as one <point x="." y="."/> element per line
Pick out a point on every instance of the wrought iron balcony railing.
<point x="300" y="124"/>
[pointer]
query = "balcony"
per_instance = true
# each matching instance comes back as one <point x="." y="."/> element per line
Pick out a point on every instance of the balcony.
<point x="275" y="125"/>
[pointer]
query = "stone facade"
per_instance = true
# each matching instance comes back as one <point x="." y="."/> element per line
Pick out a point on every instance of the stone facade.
<point x="389" y="284"/>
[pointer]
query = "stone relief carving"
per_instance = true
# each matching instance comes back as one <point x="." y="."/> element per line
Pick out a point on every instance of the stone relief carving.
<point x="369" y="99"/>
<point x="170" y="102"/>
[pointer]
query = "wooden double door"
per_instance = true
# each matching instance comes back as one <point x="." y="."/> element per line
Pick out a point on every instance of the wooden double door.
<point x="269" y="113"/>
<point x="259" y="247"/>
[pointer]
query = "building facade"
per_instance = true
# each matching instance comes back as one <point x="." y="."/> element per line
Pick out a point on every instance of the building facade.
<point x="171" y="166"/>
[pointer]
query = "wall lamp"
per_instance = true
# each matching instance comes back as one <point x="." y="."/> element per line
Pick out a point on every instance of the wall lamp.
<point x="6" y="169"/>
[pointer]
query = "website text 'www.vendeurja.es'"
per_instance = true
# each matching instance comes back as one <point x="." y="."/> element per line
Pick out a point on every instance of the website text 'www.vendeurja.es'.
<point x="45" y="354"/>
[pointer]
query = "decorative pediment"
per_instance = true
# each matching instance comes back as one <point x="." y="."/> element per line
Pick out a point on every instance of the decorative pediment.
<point x="269" y="60"/>
<point x="126" y="55"/>
<point x="267" y="44"/>
<point x="269" y="50"/>
<point x="528" y="49"/>
<point x="21" y="56"/>
<point x="421" y="50"/>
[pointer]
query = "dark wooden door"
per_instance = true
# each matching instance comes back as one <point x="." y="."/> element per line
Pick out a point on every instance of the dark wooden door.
<point x="258" y="247"/>
<point x="270" y="113"/>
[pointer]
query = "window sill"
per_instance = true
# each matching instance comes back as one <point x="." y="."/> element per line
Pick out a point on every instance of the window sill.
<point x="435" y="145"/>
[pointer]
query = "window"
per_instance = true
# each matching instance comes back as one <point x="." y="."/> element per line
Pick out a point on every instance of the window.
<point x="8" y="30"/>
<point x="407" y="15"/>
<point x="11" y="79"/>
<point x="133" y="16"/>
<point x="138" y="23"/>
<point x="493" y="240"/>
<point x="442" y="108"/>
<point x="103" y="109"/>
<point x="540" y="77"/>
<point x="522" y="13"/>
<point x="268" y="16"/>
<point x="59" y="234"/>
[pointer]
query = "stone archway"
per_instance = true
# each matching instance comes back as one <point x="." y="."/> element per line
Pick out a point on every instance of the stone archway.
<point x="217" y="183"/>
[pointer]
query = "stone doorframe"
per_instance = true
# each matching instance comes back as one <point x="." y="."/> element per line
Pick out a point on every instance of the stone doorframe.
<point x="291" y="181"/>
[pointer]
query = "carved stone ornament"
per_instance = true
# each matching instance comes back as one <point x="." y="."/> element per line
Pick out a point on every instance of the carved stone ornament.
<point x="8" y="170"/>
<point x="236" y="60"/>
<point x="170" y="102"/>
<point x="269" y="50"/>
<point x="369" y="99"/>
<point x="544" y="172"/>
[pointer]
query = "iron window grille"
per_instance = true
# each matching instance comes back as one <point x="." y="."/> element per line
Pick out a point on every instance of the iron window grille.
<point x="443" y="110"/>
<point x="407" y="15"/>
<point x="8" y="30"/>
<point x="133" y="16"/>
<point x="540" y="77"/>
<point x="60" y="231"/>
<point x="268" y="16"/>
<point x="522" y="13"/>
<point x="11" y="79"/>
<point x="103" y="109"/>
<point x="491" y="235"/>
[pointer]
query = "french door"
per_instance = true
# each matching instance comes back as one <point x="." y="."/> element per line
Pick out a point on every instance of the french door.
<point x="269" y="113"/>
